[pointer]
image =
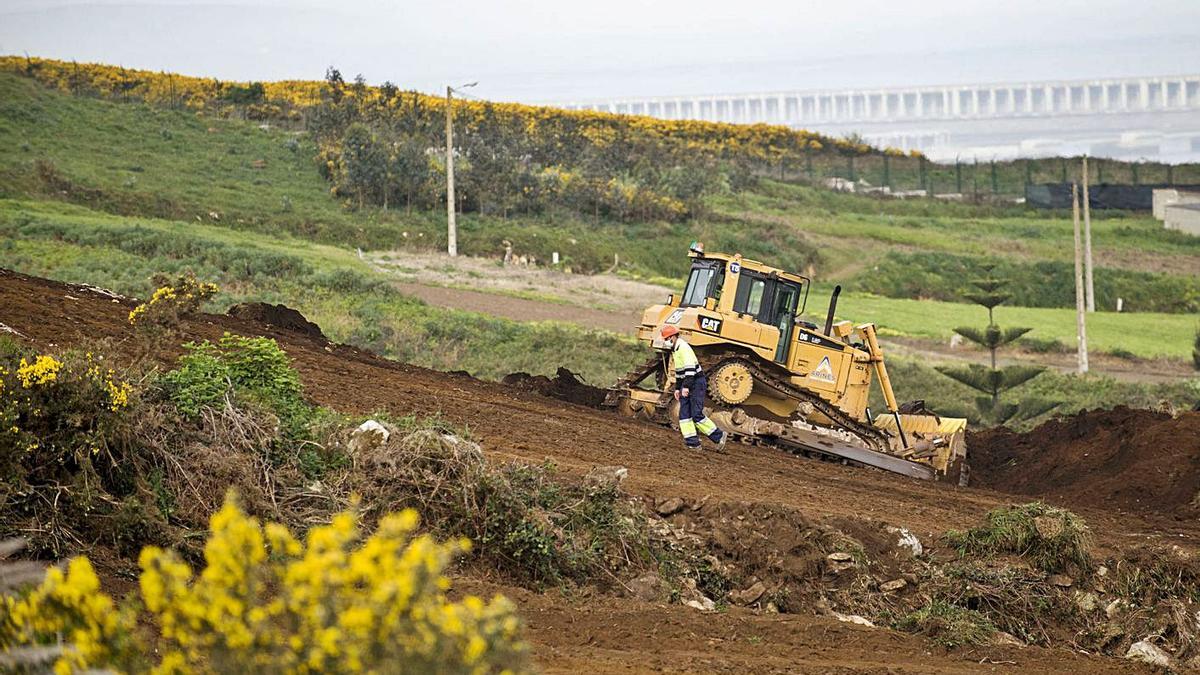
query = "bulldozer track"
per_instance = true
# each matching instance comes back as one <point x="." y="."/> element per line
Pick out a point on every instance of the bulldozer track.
<point x="874" y="438"/>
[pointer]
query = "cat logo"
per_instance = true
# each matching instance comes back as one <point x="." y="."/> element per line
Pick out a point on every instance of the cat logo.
<point x="711" y="325"/>
<point x="823" y="372"/>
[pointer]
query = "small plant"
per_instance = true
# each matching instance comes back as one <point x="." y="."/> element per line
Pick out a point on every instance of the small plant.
<point x="1053" y="539"/>
<point x="948" y="625"/>
<point x="339" y="601"/>
<point x="250" y="369"/>
<point x="173" y="300"/>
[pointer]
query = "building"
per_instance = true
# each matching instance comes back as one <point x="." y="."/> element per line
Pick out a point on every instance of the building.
<point x="1183" y="217"/>
<point x="1164" y="197"/>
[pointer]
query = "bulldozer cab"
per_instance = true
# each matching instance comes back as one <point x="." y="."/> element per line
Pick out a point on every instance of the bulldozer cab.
<point x="752" y="292"/>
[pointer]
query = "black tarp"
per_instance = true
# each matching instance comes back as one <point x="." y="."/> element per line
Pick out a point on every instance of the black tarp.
<point x="1102" y="196"/>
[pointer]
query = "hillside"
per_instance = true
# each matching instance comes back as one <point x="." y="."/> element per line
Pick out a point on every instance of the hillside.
<point x="110" y="193"/>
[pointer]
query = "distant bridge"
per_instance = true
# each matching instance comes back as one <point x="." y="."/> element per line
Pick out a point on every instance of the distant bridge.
<point x="905" y="104"/>
<point x="1133" y="118"/>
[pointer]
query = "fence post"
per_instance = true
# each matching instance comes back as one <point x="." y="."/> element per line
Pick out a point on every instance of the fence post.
<point x="1134" y="167"/>
<point x="995" y="180"/>
<point x="850" y="163"/>
<point x="921" y="164"/>
<point x="1028" y="172"/>
<point x="1063" y="164"/>
<point x="808" y="165"/>
<point x="1170" y="174"/>
<point x="975" y="179"/>
<point x="957" y="176"/>
<point x="887" y="172"/>
<point x="1099" y="171"/>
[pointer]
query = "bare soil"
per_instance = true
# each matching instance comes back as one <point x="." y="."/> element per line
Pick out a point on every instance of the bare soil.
<point x="599" y="633"/>
<point x="1122" y="459"/>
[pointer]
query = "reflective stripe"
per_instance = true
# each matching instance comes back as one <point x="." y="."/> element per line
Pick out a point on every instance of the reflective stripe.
<point x="707" y="426"/>
<point x="684" y="359"/>
<point x="687" y="428"/>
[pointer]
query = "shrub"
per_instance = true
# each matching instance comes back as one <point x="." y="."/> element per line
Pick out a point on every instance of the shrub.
<point x="59" y="415"/>
<point x="266" y="602"/>
<point x="1053" y="539"/>
<point x="253" y="369"/>
<point x="173" y="300"/>
<point x="1196" y="350"/>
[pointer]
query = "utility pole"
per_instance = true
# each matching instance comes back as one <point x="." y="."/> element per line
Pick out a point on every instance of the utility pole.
<point x="1087" y="240"/>
<point x="1080" y="313"/>
<point x="451" y="226"/>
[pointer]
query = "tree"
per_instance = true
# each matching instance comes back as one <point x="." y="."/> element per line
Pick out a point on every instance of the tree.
<point x="994" y="381"/>
<point x="363" y="164"/>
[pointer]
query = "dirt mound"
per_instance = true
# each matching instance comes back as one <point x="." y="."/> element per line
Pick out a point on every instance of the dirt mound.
<point x="279" y="316"/>
<point x="1135" y="460"/>
<point x="566" y="386"/>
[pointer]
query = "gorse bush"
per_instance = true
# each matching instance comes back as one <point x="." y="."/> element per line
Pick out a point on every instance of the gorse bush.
<point x="173" y="300"/>
<point x="266" y="602"/>
<point x="948" y="625"/>
<point x="62" y="419"/>
<point x="251" y="369"/>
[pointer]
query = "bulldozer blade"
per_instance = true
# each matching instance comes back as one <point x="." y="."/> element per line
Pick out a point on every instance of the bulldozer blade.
<point x="804" y="438"/>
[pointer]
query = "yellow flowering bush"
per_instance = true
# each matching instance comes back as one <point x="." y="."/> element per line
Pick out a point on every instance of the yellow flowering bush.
<point x="59" y="415"/>
<point x="266" y="602"/>
<point x="173" y="299"/>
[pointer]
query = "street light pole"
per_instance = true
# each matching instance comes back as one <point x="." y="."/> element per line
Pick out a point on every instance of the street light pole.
<point x="451" y="225"/>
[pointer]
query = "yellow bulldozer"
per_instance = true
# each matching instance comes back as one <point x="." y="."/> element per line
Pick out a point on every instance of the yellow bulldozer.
<point x="778" y="380"/>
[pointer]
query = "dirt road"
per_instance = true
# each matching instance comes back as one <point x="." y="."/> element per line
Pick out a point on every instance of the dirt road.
<point x="606" y="634"/>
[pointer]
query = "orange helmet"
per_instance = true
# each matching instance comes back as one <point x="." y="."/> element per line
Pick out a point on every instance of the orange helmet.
<point x="669" y="330"/>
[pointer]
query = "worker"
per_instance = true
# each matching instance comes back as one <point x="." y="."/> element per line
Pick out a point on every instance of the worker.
<point x="690" y="388"/>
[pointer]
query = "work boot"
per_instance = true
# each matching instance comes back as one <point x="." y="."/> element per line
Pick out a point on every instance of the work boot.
<point x="720" y="446"/>
<point x="689" y="446"/>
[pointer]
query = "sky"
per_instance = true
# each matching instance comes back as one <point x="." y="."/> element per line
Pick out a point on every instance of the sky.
<point x="542" y="51"/>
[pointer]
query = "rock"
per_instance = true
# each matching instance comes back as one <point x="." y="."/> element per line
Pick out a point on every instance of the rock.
<point x="893" y="586"/>
<point x="1114" y="608"/>
<point x="1086" y="602"/>
<point x="749" y="595"/>
<point x="368" y="436"/>
<point x="907" y="541"/>
<point x="1147" y="653"/>
<point x="1102" y="571"/>
<point x="771" y="608"/>
<point x="1001" y="638"/>
<point x="1060" y="580"/>
<point x="840" y="557"/>
<point x="703" y="604"/>
<point x="648" y="588"/>
<point x="605" y="477"/>
<point x="669" y="507"/>
<point x="1048" y="527"/>
<point x="852" y="618"/>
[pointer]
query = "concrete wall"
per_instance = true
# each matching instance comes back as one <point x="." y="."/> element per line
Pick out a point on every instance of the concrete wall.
<point x="1165" y="197"/>
<point x="1185" y="218"/>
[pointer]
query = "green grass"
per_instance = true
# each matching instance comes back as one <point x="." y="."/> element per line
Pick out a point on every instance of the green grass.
<point x="1146" y="334"/>
<point x="329" y="285"/>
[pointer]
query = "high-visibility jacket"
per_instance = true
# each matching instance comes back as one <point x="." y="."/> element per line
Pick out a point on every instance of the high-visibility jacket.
<point x="687" y="366"/>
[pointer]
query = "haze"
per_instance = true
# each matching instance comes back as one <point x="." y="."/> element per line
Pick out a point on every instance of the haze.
<point x="534" y="50"/>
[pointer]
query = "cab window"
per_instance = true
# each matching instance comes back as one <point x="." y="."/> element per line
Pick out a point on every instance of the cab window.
<point x="704" y="282"/>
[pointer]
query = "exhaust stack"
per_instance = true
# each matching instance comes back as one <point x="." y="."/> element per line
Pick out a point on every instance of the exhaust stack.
<point x="837" y="290"/>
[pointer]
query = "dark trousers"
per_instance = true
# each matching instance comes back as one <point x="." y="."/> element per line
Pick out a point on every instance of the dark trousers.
<point x="691" y="415"/>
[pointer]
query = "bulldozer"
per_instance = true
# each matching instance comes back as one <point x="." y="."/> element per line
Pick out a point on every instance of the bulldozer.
<point x="775" y="379"/>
